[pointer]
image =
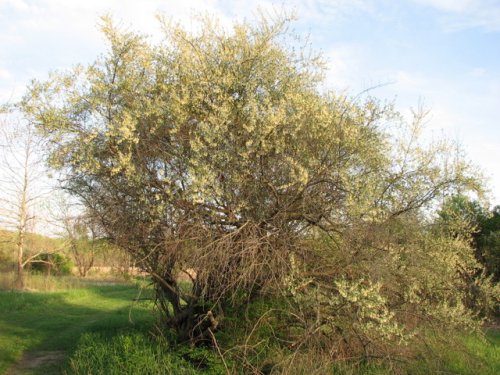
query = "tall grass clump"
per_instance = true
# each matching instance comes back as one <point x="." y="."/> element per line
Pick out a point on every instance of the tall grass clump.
<point x="136" y="353"/>
<point x="459" y="354"/>
<point x="35" y="281"/>
<point x="41" y="282"/>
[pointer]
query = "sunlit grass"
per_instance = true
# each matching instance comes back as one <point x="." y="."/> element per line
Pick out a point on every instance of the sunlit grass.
<point x="461" y="354"/>
<point x="133" y="353"/>
<point x="42" y="282"/>
<point x="103" y="330"/>
<point x="32" y="321"/>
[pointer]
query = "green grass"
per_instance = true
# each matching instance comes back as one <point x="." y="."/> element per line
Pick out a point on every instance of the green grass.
<point x="90" y="323"/>
<point x="50" y="321"/>
<point x="484" y="355"/>
<point x="463" y="355"/>
<point x="137" y="353"/>
<point x="47" y="283"/>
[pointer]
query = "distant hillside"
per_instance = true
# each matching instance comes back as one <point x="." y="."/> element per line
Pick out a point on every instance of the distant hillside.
<point x="33" y="243"/>
<point x="106" y="254"/>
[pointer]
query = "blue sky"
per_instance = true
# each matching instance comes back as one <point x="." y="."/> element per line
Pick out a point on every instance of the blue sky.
<point x="445" y="53"/>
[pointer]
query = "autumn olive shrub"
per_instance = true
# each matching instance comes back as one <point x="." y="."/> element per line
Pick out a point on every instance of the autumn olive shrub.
<point x="217" y="155"/>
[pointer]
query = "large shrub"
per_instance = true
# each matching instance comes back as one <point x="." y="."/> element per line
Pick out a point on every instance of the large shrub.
<point x="218" y="155"/>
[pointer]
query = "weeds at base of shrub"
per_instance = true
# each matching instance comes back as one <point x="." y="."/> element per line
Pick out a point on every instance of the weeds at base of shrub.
<point x="136" y="353"/>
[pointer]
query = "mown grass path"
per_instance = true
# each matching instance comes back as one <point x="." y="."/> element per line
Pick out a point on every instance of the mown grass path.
<point x="39" y="330"/>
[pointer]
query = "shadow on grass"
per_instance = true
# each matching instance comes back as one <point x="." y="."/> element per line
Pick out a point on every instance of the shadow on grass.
<point x="55" y="321"/>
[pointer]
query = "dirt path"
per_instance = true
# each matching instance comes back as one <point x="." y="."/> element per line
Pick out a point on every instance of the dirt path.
<point x="34" y="360"/>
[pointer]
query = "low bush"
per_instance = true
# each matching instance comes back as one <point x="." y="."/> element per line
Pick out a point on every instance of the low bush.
<point x="52" y="263"/>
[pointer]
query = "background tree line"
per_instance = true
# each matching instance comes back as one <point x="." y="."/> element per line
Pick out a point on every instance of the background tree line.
<point x="460" y="214"/>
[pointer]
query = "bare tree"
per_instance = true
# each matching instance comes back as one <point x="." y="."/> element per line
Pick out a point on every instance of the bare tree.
<point x="82" y="233"/>
<point x="21" y="184"/>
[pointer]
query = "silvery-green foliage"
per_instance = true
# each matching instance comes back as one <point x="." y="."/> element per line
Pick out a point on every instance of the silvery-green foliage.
<point x="217" y="155"/>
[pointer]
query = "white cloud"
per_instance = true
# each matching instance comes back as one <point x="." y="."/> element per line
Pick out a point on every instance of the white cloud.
<point x="344" y="63"/>
<point x="478" y="72"/>
<point x="409" y="81"/>
<point x="39" y="36"/>
<point x="462" y="111"/>
<point x="81" y="16"/>
<point x="308" y="11"/>
<point x="462" y="14"/>
<point x="322" y="9"/>
<point x="4" y="74"/>
<point x="450" y="5"/>
<point x="14" y="4"/>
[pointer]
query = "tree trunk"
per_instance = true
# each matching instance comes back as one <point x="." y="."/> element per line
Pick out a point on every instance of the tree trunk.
<point x="19" y="283"/>
<point x="21" y="229"/>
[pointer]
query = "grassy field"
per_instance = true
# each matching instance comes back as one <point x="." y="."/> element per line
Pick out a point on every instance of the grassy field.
<point x="99" y="329"/>
<point x="32" y="322"/>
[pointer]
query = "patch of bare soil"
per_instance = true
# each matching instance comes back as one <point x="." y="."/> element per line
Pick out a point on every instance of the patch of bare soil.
<point x="34" y="360"/>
